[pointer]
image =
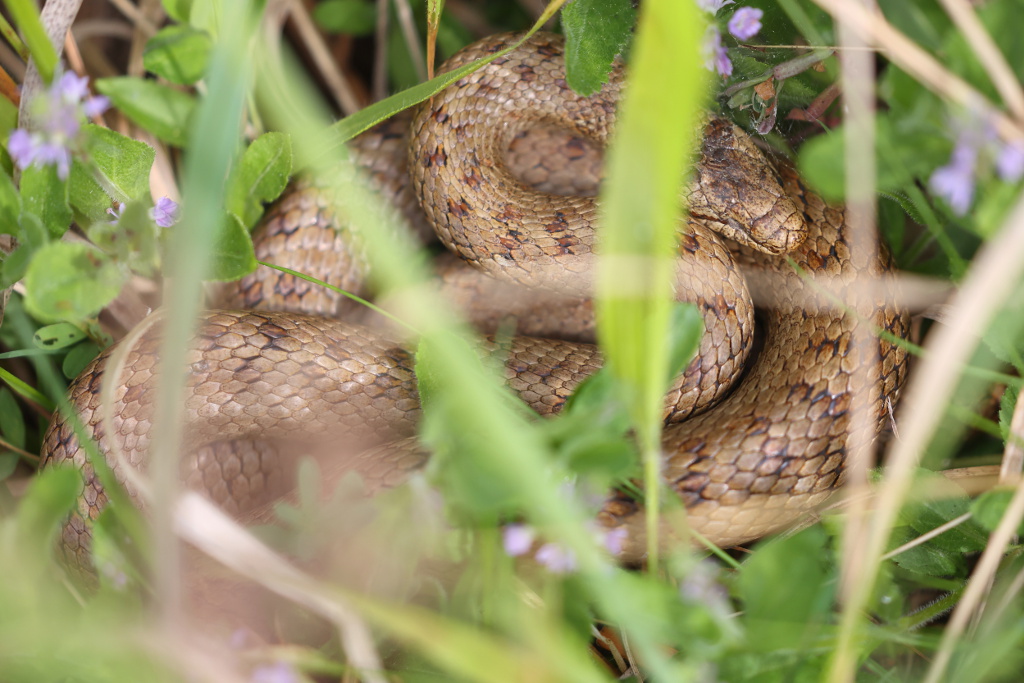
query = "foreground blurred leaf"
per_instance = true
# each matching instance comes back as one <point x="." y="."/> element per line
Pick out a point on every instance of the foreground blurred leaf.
<point x="786" y="600"/>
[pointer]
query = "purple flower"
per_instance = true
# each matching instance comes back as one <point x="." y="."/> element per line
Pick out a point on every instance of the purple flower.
<point x="165" y="213"/>
<point x="278" y="672"/>
<point x="1010" y="161"/>
<point x="716" y="57"/>
<point x="557" y="559"/>
<point x="59" y="112"/>
<point x="614" y="539"/>
<point x="713" y="6"/>
<point x="745" y="23"/>
<point x="954" y="182"/>
<point x="517" y="539"/>
<point x="116" y="212"/>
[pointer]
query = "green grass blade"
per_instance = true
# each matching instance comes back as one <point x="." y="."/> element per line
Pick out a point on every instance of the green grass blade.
<point x="646" y="167"/>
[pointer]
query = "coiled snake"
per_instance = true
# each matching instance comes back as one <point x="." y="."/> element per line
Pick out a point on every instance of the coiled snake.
<point x="746" y="459"/>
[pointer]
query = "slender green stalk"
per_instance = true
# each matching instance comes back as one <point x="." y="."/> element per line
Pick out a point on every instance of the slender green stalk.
<point x="655" y="134"/>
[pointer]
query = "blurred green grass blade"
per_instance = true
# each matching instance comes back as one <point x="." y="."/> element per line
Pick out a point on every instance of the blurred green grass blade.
<point x="26" y="16"/>
<point x="213" y="142"/>
<point x="640" y="201"/>
<point x="26" y="391"/>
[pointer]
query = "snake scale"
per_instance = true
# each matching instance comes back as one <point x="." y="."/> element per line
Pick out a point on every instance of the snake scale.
<point x="746" y="457"/>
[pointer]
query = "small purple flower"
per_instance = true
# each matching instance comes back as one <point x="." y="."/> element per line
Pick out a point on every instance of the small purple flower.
<point x="712" y="6"/>
<point x="716" y="57"/>
<point x="1010" y="161"/>
<point x="278" y="672"/>
<point x="745" y="23"/>
<point x="614" y="539"/>
<point x="954" y="182"/>
<point x="116" y="212"/>
<point x="165" y="213"/>
<point x="59" y="113"/>
<point x="557" y="559"/>
<point x="517" y="539"/>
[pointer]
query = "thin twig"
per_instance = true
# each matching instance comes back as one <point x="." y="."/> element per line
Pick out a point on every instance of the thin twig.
<point x="380" y="57"/>
<point x="313" y="41"/>
<point x="412" y="37"/>
<point x="925" y="537"/>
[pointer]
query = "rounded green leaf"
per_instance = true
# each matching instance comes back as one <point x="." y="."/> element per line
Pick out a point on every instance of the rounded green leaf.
<point x="57" y="336"/>
<point x="70" y="281"/>
<point x="160" y="109"/>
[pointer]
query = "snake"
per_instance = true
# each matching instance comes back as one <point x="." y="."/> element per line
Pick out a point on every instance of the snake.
<point x="757" y="427"/>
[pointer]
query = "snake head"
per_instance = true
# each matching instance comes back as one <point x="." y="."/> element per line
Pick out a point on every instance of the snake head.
<point x="737" y="191"/>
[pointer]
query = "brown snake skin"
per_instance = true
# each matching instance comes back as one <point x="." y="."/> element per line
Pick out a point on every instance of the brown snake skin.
<point x="746" y="458"/>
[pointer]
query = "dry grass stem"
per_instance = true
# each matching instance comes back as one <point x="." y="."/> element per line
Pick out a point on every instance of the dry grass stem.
<point x="136" y="16"/>
<point x="964" y="16"/>
<point x="908" y="56"/>
<point x="313" y="41"/>
<point x="379" y="88"/>
<point x="978" y="586"/>
<point x="202" y="524"/>
<point x="857" y="82"/>
<point x="1013" y="456"/>
<point x="412" y="37"/>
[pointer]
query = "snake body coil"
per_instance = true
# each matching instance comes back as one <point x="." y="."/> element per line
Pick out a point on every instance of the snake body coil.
<point x="746" y="459"/>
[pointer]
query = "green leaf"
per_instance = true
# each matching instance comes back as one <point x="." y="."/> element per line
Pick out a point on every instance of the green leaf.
<point x="903" y="155"/>
<point x="926" y="558"/>
<point x="988" y="508"/>
<point x="179" y="54"/>
<point x="57" y="336"/>
<point x="46" y="196"/>
<point x="1006" y="406"/>
<point x="233" y="253"/>
<point x="15" y="264"/>
<point x="596" y="31"/>
<point x="79" y="357"/>
<point x="12" y="424"/>
<point x="133" y="240"/>
<point x="785" y="591"/>
<point x="10" y="204"/>
<point x="352" y="17"/>
<point x="261" y="176"/>
<point x="70" y="281"/>
<point x="118" y="170"/>
<point x="160" y="109"/>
